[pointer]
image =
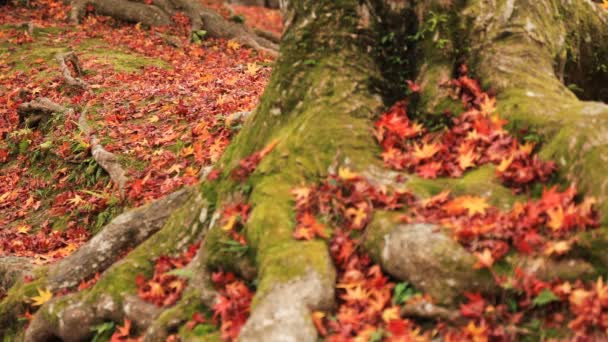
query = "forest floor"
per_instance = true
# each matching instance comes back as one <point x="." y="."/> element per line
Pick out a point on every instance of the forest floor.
<point x="165" y="111"/>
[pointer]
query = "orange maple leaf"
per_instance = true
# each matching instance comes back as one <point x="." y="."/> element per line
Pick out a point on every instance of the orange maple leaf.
<point x="504" y="164"/>
<point x="122" y="332"/>
<point x="471" y="204"/>
<point x="487" y="105"/>
<point x="425" y="151"/>
<point x="556" y="218"/>
<point x="467" y="160"/>
<point x="484" y="259"/>
<point x="358" y="215"/>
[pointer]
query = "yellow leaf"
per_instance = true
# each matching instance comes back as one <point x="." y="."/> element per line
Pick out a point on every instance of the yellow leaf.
<point x="346" y="174"/>
<point x="77" y="200"/>
<point x="527" y="148"/>
<point x="42" y="297"/>
<point x="23" y="229"/>
<point x="230" y="223"/>
<point x="605" y="4"/>
<point x="425" y="151"/>
<point x="391" y="313"/>
<point x="556" y="218"/>
<point x="233" y="45"/>
<point x="557" y="247"/>
<point x="484" y="259"/>
<point x="504" y="164"/>
<point x="252" y="69"/>
<point x="187" y="151"/>
<point x="467" y="160"/>
<point x="487" y="105"/>
<point x="472" y="204"/>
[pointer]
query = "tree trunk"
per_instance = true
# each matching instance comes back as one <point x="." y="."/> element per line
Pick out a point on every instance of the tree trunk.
<point x="325" y="92"/>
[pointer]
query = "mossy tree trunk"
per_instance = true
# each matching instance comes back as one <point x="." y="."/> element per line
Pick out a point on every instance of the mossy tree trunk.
<point x="320" y="106"/>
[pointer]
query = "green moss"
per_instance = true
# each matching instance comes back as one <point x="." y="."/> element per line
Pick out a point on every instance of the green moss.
<point x="15" y="304"/>
<point x="180" y="230"/>
<point x="123" y="61"/>
<point x="481" y="181"/>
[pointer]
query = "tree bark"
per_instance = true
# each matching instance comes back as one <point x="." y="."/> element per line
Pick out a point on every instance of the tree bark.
<point x="320" y="106"/>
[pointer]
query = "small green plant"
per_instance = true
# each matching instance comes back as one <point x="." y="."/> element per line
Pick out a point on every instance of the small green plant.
<point x="234" y="247"/>
<point x="103" y="332"/>
<point x="403" y="292"/>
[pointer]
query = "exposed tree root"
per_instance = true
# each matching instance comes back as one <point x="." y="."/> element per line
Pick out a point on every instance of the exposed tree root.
<point x="123" y="233"/>
<point x="161" y="12"/>
<point x="107" y="160"/>
<point x="428" y="310"/>
<point x="404" y="249"/>
<point x="41" y="108"/>
<point x="33" y="112"/>
<point x="70" y="58"/>
<point x="12" y="269"/>
<point x="113" y="297"/>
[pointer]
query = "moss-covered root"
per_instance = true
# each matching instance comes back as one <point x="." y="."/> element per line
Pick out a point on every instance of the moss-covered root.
<point x="113" y="296"/>
<point x="199" y="296"/>
<point x="123" y="233"/>
<point x="434" y="262"/>
<point x="518" y="47"/>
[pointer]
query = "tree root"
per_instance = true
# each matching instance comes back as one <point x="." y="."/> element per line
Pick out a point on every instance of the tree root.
<point x="161" y="12"/>
<point x="121" y="234"/>
<point x="113" y="297"/>
<point x="404" y="249"/>
<point x="12" y="269"/>
<point x="426" y="310"/>
<point x="33" y="112"/>
<point x="38" y="110"/>
<point x="70" y="58"/>
<point x="107" y="160"/>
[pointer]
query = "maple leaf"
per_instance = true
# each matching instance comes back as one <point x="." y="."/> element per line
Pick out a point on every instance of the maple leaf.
<point x="76" y="200"/>
<point x="302" y="194"/>
<point x="355" y="294"/>
<point x="484" y="259"/>
<point x="346" y="174"/>
<point x="122" y="331"/>
<point x="392" y="313"/>
<point x="440" y="198"/>
<point x="42" y="297"/>
<point x="557" y="247"/>
<point x="252" y="69"/>
<point x="467" y="160"/>
<point x="24" y="228"/>
<point x="425" y="151"/>
<point x="429" y="170"/>
<point x="487" y="105"/>
<point x="233" y="45"/>
<point x="358" y="215"/>
<point x="556" y="218"/>
<point x="230" y="223"/>
<point x="504" y="164"/>
<point x="414" y="87"/>
<point x="472" y="204"/>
